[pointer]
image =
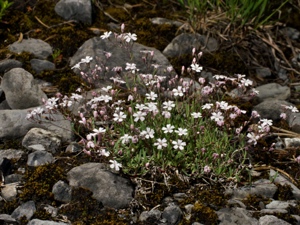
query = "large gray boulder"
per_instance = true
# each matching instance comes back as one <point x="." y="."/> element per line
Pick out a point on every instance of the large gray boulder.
<point x="80" y="10"/>
<point x="109" y="188"/>
<point x="20" y="90"/>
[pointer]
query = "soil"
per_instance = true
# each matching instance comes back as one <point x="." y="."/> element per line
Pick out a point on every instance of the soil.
<point x="242" y="50"/>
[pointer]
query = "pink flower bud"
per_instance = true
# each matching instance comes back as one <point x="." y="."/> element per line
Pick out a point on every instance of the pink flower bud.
<point x="194" y="61"/>
<point x="95" y="114"/>
<point x="182" y="69"/>
<point x="130" y="110"/>
<point x="201" y="80"/>
<point x="131" y="126"/>
<point x="122" y="27"/>
<point x="200" y="55"/>
<point x="193" y="51"/>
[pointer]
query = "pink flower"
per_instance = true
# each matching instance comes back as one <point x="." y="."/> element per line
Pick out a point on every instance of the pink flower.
<point x="283" y="116"/>
<point x="207" y="169"/>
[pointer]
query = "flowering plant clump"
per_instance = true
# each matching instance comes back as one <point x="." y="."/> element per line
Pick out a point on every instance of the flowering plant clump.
<point x="175" y="127"/>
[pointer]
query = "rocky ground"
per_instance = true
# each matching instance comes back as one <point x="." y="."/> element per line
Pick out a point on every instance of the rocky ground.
<point x="47" y="180"/>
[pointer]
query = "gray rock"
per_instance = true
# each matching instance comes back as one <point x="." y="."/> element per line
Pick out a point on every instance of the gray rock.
<point x="38" y="136"/>
<point x="184" y="43"/>
<point x="37" y="47"/>
<point x="7" y="219"/>
<point x="107" y="187"/>
<point x="291" y="142"/>
<point x="39" y="158"/>
<point x="271" y="220"/>
<point x="8" y="64"/>
<point x="172" y="214"/>
<point x="291" y="32"/>
<point x="261" y="187"/>
<point x="164" y="21"/>
<point x="14" y="124"/>
<point x="17" y="85"/>
<point x="275" y="204"/>
<point x="293" y="120"/>
<point x="271" y="109"/>
<point x="13" y="178"/>
<point x="279" y="179"/>
<point x="97" y="48"/>
<point x="62" y="191"/>
<point x="45" y="222"/>
<point x="273" y="90"/>
<point x="39" y="65"/>
<point x="235" y="216"/>
<point x="79" y="10"/>
<point x="27" y="209"/>
<point x="11" y="154"/>
<point x="73" y="148"/>
<point x="152" y="216"/>
<point x="9" y="191"/>
<point x="263" y="72"/>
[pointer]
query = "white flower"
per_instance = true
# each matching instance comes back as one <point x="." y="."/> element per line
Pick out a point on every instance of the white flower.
<point x="66" y="103"/>
<point x="196" y="115"/>
<point x="181" y="131"/>
<point x="246" y="82"/>
<point x="87" y="59"/>
<point x="118" y="80"/>
<point x="217" y="116"/>
<point x="168" y="128"/>
<point x="220" y="77"/>
<point x="76" y="66"/>
<point x="126" y="138"/>
<point x="196" y="67"/>
<point x="141" y="107"/>
<point x="139" y="115"/>
<point x="207" y="106"/>
<point x="119" y="117"/>
<point x="105" y="35"/>
<point x="266" y="122"/>
<point x="129" y="36"/>
<point x="179" y="91"/>
<point x="160" y="143"/>
<point x="224" y="105"/>
<point x="130" y="66"/>
<point x="168" y="105"/>
<point x="51" y="103"/>
<point x="151" y="96"/>
<point x="152" y="106"/>
<point x="252" y="138"/>
<point x="148" y="133"/>
<point x="179" y="144"/>
<point x="115" y="165"/>
<point x="254" y="91"/>
<point x="103" y="152"/>
<point x="76" y="96"/>
<point x="106" y="89"/>
<point x="90" y="144"/>
<point x="292" y="108"/>
<point x="106" y="98"/>
<point x="99" y="131"/>
<point x="166" y="114"/>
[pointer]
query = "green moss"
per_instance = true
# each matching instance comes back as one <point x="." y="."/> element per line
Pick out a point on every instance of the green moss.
<point x="83" y="209"/>
<point x="203" y="214"/>
<point x="284" y="192"/>
<point x="38" y="182"/>
<point x="253" y="201"/>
